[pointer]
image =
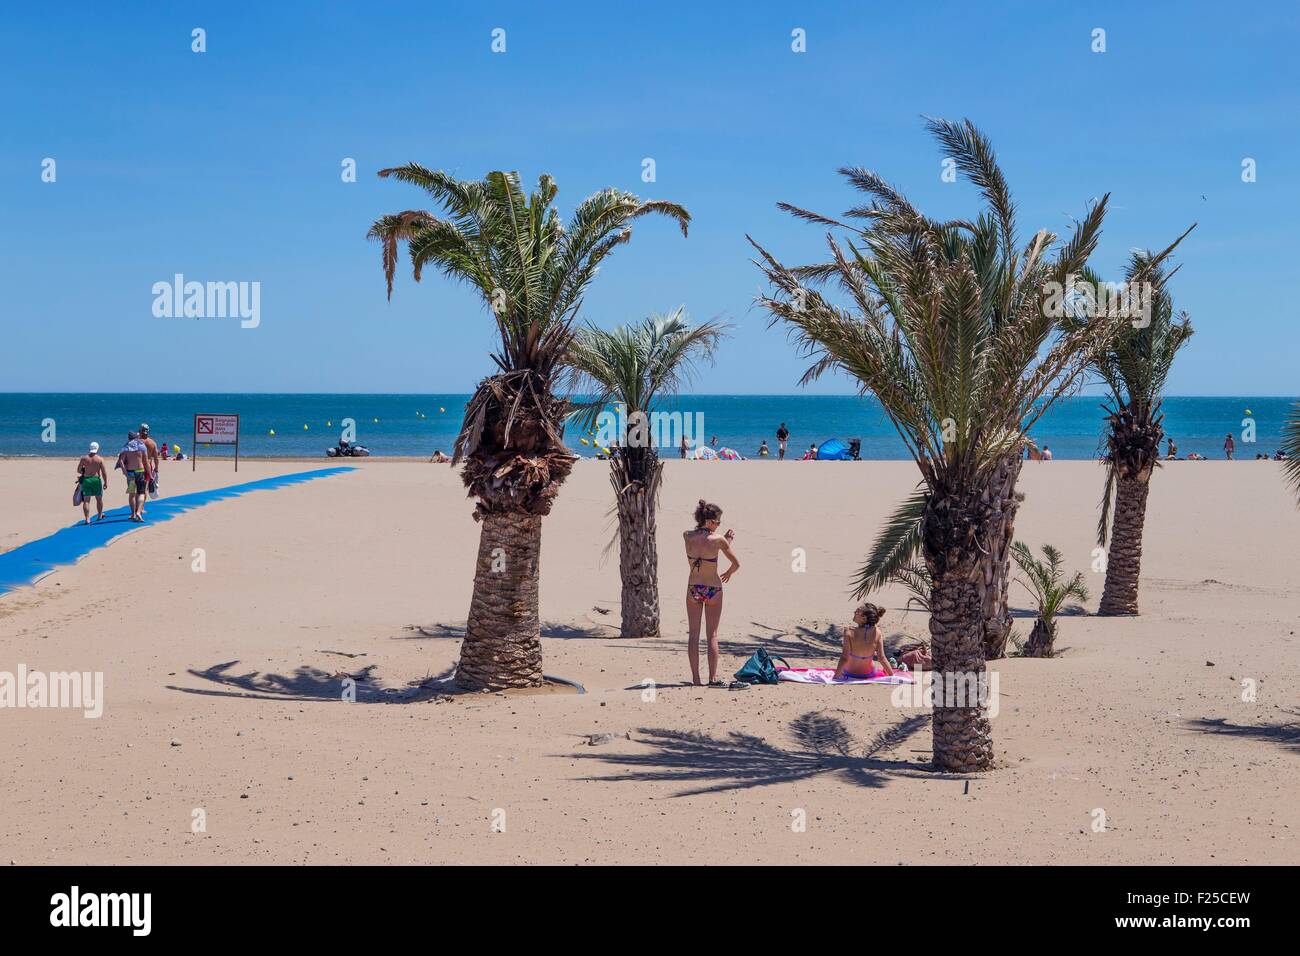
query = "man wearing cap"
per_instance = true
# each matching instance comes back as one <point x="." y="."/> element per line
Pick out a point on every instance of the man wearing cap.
<point x="94" y="476"/>
<point x="134" y="462"/>
<point x="152" y="451"/>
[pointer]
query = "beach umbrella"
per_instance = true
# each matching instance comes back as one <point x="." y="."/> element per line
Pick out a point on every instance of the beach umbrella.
<point x="730" y="454"/>
<point x="705" y="453"/>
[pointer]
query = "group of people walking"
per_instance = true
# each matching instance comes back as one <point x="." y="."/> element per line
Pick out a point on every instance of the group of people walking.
<point x="138" y="461"/>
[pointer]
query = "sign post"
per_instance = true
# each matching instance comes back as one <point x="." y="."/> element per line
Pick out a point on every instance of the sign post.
<point x="214" y="430"/>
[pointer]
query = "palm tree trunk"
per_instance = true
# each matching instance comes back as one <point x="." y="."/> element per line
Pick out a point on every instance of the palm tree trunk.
<point x="502" y="646"/>
<point x="1041" y="639"/>
<point x="995" y="566"/>
<point x="1124" y="560"/>
<point x="963" y="738"/>
<point x="638" y="551"/>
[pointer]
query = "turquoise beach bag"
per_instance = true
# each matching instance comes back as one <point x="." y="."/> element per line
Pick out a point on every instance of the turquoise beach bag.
<point x="759" y="669"/>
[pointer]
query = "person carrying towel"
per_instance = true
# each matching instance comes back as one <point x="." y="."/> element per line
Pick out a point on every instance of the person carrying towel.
<point x="133" y="459"/>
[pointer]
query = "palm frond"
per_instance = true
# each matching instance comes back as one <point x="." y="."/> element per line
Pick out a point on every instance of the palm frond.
<point x="943" y="321"/>
<point x="895" y="546"/>
<point x="1291" y="448"/>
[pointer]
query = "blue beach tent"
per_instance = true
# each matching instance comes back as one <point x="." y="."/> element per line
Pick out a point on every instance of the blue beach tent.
<point x="832" y="449"/>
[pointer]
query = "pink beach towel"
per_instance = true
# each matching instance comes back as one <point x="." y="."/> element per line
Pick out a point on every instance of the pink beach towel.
<point x="826" y="675"/>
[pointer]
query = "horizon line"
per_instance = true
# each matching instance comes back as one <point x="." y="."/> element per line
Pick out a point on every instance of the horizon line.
<point x="1100" y="394"/>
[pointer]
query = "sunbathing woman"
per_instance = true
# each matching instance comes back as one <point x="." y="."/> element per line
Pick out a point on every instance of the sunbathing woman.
<point x="704" y="586"/>
<point x="864" y="647"/>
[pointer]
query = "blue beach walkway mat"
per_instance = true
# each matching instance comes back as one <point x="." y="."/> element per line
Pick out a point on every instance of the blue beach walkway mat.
<point x="32" y="561"/>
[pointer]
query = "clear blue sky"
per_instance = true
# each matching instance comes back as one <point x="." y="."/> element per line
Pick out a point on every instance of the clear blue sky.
<point x="225" y="166"/>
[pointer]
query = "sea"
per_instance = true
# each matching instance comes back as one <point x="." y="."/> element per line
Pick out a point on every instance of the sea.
<point x="302" y="425"/>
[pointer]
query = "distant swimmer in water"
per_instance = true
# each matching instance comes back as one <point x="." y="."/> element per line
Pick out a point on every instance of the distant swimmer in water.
<point x="704" y="585"/>
<point x="762" y="449"/>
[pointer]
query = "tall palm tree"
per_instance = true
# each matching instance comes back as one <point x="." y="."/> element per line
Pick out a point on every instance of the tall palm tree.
<point x="532" y="271"/>
<point x="947" y="325"/>
<point x="1134" y="368"/>
<point x="630" y="367"/>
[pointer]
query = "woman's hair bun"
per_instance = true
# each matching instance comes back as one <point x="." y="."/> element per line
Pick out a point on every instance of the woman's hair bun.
<point x="871" y="613"/>
<point x="706" y="512"/>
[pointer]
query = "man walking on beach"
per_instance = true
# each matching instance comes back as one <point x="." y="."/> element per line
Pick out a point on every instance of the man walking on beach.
<point x="94" y="476"/>
<point x="782" y="436"/>
<point x="151" y="449"/>
<point x="1229" y="446"/>
<point x="134" y="462"/>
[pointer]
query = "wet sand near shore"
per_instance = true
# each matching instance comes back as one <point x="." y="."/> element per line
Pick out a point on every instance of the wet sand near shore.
<point x="222" y="687"/>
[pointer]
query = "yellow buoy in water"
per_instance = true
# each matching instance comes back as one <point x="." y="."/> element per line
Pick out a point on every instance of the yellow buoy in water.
<point x="584" y="441"/>
<point x="441" y="409"/>
<point x="376" y="421"/>
<point x="1248" y="411"/>
<point x="329" y="424"/>
<point x="272" y="432"/>
<point x="304" y="427"/>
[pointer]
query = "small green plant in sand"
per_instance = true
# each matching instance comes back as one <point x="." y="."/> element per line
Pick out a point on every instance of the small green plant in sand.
<point x="1051" y="591"/>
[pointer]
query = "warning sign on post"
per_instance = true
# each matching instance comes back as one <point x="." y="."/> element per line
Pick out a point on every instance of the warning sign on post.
<point x="215" y="430"/>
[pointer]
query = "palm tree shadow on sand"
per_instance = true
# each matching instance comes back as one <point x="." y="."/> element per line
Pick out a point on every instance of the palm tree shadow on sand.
<point x="422" y="632"/>
<point x="800" y="642"/>
<point x="311" y="683"/>
<point x="708" y="764"/>
<point x="804" y="643"/>
<point x="1285" y="733"/>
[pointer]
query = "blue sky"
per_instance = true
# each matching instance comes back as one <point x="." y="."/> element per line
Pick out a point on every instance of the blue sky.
<point x="225" y="166"/>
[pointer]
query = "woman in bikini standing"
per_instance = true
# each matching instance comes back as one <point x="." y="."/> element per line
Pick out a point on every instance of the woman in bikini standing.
<point x="704" y="586"/>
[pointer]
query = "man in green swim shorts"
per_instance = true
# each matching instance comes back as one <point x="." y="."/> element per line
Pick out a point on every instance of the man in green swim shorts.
<point x="93" y="478"/>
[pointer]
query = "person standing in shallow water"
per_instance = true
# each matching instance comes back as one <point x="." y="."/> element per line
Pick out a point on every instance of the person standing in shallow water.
<point x="1229" y="446"/>
<point x="704" y="585"/>
<point x="782" y="436"/>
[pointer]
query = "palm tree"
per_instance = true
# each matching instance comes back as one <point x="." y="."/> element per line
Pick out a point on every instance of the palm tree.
<point x="532" y="271"/>
<point x="1043" y="580"/>
<point x="947" y="325"/>
<point x="1134" y="368"/>
<point x="1291" y="448"/>
<point x="631" y="366"/>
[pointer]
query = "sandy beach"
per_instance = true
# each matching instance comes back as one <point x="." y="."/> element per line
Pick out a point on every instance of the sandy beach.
<point x="222" y="688"/>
